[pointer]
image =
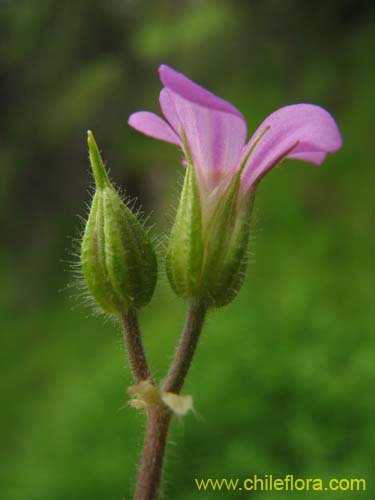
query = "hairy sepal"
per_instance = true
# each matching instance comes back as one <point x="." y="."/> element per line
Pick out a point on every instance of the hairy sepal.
<point x="226" y="246"/>
<point x="207" y="253"/>
<point x="185" y="248"/>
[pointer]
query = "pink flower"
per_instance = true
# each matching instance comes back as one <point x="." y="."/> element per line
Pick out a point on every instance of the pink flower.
<point x="212" y="133"/>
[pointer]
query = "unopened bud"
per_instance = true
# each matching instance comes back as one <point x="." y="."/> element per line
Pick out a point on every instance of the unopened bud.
<point x="117" y="257"/>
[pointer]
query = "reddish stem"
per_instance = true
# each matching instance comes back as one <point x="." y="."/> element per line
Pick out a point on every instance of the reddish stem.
<point x="159" y="417"/>
<point x="133" y="341"/>
<point x="148" y="485"/>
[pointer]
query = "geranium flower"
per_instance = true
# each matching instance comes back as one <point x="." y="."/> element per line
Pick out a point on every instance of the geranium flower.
<point x="212" y="133"/>
<point x="207" y="250"/>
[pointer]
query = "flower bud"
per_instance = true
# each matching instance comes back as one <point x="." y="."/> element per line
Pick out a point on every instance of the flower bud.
<point x="117" y="258"/>
<point x="207" y="253"/>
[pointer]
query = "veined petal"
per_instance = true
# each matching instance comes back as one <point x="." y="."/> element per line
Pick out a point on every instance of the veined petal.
<point x="153" y="126"/>
<point x="215" y="130"/>
<point x="215" y="139"/>
<point x="169" y="110"/>
<point x="300" y="131"/>
<point x="191" y="91"/>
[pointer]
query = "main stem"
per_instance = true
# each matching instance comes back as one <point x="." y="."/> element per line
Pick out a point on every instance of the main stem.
<point x="159" y="417"/>
<point x="148" y="484"/>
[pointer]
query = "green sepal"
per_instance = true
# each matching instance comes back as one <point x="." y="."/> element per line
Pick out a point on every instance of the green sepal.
<point x="117" y="257"/>
<point x="185" y="249"/>
<point x="207" y="252"/>
<point x="227" y="256"/>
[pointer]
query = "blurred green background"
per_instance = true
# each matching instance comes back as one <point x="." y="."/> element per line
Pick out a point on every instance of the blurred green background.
<point x="283" y="381"/>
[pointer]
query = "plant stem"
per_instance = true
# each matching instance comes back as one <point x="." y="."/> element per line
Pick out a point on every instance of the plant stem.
<point x="133" y="341"/>
<point x="159" y="417"/>
<point x="148" y="485"/>
<point x="185" y="349"/>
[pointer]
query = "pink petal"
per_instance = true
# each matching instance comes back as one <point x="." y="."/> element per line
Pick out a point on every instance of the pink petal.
<point x="153" y="126"/>
<point x="181" y="85"/>
<point x="215" y="131"/>
<point x="300" y="131"/>
<point x="169" y="110"/>
<point x="311" y="157"/>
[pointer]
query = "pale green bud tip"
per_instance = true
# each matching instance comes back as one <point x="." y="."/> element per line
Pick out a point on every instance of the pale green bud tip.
<point x="97" y="165"/>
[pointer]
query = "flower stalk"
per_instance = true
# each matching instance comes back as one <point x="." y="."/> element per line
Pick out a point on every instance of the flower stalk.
<point x="186" y="348"/>
<point x="134" y="346"/>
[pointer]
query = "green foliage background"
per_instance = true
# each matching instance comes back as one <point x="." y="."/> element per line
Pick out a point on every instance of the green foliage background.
<point x="283" y="381"/>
